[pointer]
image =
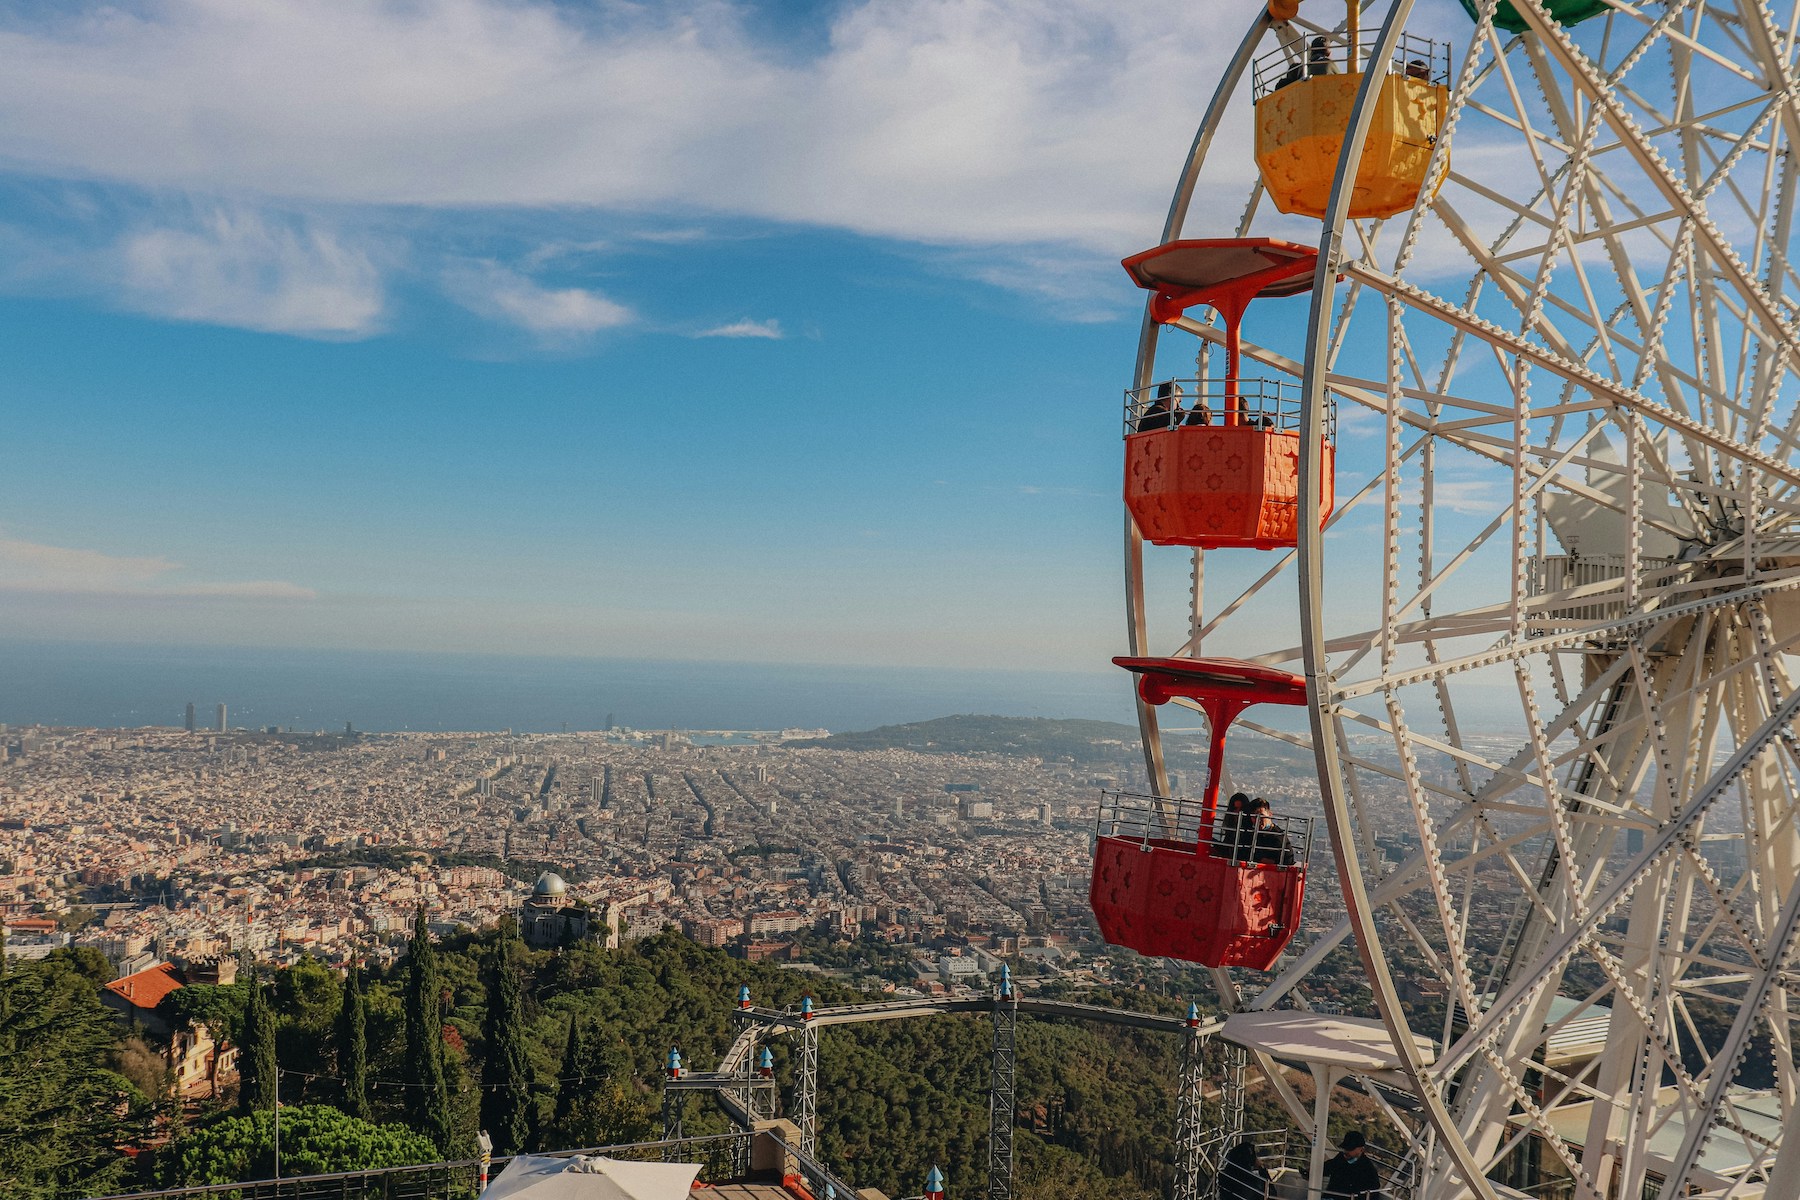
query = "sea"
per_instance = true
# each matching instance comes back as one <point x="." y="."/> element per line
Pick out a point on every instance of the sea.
<point x="114" y="685"/>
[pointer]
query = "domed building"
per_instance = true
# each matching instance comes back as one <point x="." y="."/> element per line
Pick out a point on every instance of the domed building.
<point x="550" y="916"/>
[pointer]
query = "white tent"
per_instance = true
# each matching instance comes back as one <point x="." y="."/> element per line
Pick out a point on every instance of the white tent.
<point x="540" y="1177"/>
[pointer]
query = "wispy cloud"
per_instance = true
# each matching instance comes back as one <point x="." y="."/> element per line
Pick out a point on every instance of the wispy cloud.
<point x="500" y="293"/>
<point x="35" y="567"/>
<point x="951" y="122"/>
<point x="770" y="329"/>
<point x="234" y="266"/>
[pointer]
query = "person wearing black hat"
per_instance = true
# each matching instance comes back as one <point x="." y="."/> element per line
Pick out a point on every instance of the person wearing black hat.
<point x="1349" y="1172"/>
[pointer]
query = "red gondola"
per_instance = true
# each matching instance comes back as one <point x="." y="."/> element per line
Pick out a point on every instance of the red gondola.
<point x="1225" y="470"/>
<point x="1164" y="883"/>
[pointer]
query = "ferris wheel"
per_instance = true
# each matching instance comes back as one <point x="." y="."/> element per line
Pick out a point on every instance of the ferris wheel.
<point x="1472" y="433"/>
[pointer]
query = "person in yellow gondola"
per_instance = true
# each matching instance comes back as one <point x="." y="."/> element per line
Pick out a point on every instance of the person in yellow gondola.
<point x="1268" y="844"/>
<point x="1161" y="413"/>
<point x="1416" y="69"/>
<point x="1318" y="57"/>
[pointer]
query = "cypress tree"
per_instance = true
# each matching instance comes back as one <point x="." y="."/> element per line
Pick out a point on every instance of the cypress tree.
<point x="353" y="1046"/>
<point x="256" y="1061"/>
<point x="505" y="1072"/>
<point x="568" y="1084"/>
<point x="427" y="1097"/>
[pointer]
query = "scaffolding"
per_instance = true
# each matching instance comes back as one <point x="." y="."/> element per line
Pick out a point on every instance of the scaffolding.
<point x="1190" y="1127"/>
<point x="806" y="1092"/>
<point x="731" y="1084"/>
<point x="1002" y="1100"/>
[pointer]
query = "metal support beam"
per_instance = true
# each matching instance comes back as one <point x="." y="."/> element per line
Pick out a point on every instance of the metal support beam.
<point x="674" y="1113"/>
<point x="1002" y="1100"/>
<point x="1190" y="1127"/>
<point x="1235" y="1056"/>
<point x="806" y="1093"/>
<point x="747" y="1093"/>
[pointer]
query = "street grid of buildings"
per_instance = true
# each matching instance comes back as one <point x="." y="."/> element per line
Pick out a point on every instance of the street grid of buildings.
<point x="164" y="845"/>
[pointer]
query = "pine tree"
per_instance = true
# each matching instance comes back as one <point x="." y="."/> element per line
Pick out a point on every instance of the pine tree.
<point x="568" y="1085"/>
<point x="353" y="1046"/>
<point x="427" y="1096"/>
<point x="506" y="1071"/>
<point x="256" y="1061"/>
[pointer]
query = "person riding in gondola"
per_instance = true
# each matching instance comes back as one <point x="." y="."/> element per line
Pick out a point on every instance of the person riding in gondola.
<point x="1229" y="839"/>
<point x="1161" y="413"/>
<point x="1243" y="1177"/>
<point x="1268" y="844"/>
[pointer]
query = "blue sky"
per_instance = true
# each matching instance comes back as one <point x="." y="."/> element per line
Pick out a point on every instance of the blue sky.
<point x="721" y="331"/>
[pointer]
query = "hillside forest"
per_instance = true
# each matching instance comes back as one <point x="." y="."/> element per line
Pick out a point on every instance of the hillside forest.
<point x="548" y="1050"/>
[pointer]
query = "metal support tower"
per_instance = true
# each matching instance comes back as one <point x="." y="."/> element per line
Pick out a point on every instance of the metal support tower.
<point x="749" y="1096"/>
<point x="1190" y="1129"/>
<point x="806" y="1095"/>
<point x="1002" y="1102"/>
<point x="674" y="1114"/>
<point x="1231" y="1088"/>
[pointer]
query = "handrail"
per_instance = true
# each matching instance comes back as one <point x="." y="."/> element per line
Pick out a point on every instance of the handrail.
<point x="302" y="1185"/>
<point x="1416" y="57"/>
<point x="1272" y="405"/>
<point x="1145" y="818"/>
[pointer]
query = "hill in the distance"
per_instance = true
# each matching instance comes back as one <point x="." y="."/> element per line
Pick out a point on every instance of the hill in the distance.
<point x="1040" y="737"/>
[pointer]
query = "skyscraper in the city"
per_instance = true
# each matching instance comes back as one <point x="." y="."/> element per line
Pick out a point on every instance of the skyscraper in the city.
<point x="190" y="716"/>
<point x="221" y="716"/>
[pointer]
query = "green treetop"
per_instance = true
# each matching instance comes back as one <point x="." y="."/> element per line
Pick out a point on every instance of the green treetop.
<point x="353" y="1046"/>
<point x="257" y="1086"/>
<point x="427" y="1095"/>
<point x="506" y="1071"/>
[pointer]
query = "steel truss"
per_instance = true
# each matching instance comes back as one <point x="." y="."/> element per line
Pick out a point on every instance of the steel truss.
<point x="1553" y="720"/>
<point x="1002" y="1102"/>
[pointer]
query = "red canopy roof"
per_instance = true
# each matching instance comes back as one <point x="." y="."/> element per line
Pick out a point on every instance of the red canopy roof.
<point x="1221" y="272"/>
<point x="1210" y="678"/>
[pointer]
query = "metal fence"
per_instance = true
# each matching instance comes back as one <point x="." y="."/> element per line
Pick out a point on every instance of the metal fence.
<point x="459" y="1180"/>
<point x="1140" y="817"/>
<point x="1269" y="404"/>
<point x="819" y="1182"/>
<point x="1415" y="57"/>
<point x="1285" y="1151"/>
<point x="1603" y="574"/>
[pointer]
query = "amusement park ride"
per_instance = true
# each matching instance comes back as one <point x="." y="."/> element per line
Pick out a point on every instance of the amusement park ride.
<point x="1513" y="516"/>
<point x="1535" y="588"/>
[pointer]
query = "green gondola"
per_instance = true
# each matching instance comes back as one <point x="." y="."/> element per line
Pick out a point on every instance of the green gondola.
<point x="1566" y="12"/>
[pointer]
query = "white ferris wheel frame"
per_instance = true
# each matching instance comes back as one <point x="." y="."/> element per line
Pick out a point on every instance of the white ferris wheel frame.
<point x="1454" y="1155"/>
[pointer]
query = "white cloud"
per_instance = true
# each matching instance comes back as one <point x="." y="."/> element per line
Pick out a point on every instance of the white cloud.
<point x="953" y="122"/>
<point x="34" y="567"/>
<point x="770" y="329"/>
<point x="498" y="292"/>
<point x="242" y="268"/>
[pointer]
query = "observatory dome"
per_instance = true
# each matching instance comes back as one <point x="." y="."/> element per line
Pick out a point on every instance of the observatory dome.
<point x="549" y="884"/>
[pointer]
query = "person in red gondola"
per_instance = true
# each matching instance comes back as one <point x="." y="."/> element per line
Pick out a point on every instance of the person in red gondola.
<point x="1268" y="844"/>
<point x="1161" y="413"/>
<point x="1231" y="839"/>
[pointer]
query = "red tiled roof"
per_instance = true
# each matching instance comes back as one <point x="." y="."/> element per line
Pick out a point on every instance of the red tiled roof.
<point x="146" y="989"/>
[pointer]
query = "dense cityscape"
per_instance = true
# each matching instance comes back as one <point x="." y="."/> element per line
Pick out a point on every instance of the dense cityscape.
<point x="165" y="845"/>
